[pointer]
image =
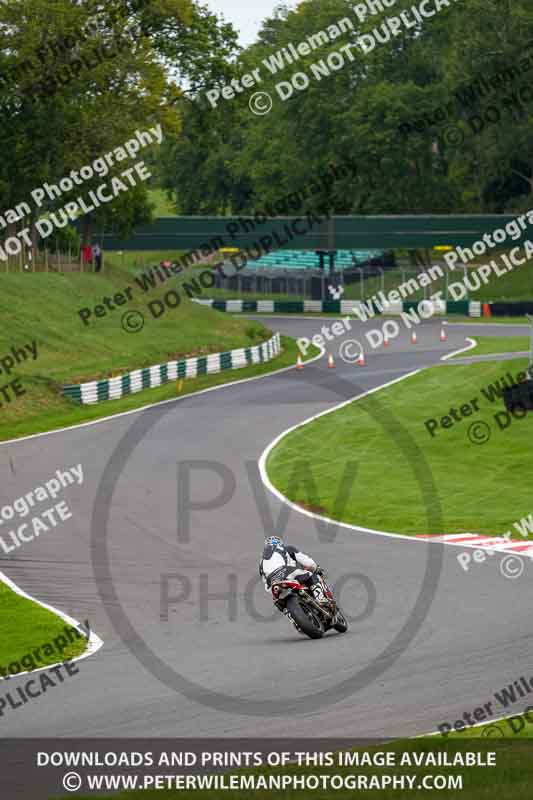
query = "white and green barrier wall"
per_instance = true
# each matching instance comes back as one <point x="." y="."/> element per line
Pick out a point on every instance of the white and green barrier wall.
<point x="139" y="379"/>
<point x="463" y="307"/>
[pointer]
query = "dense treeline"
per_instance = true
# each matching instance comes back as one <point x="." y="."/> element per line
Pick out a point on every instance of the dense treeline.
<point x="77" y="79"/>
<point x="418" y="114"/>
<point x="437" y="119"/>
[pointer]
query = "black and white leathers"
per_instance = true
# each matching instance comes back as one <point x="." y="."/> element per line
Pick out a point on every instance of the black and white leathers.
<point x="284" y="561"/>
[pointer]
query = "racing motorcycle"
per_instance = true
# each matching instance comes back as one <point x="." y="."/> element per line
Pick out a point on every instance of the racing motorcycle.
<point x="309" y="617"/>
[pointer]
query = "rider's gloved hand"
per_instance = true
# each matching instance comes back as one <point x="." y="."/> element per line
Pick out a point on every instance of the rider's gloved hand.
<point x="319" y="570"/>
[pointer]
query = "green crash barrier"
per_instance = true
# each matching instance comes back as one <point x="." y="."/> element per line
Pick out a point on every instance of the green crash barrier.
<point x="203" y="235"/>
<point x="461" y="307"/>
<point x="331" y="306"/>
<point x="289" y="308"/>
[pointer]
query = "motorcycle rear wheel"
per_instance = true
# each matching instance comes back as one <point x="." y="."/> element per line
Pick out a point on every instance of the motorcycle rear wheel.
<point x="305" y="617"/>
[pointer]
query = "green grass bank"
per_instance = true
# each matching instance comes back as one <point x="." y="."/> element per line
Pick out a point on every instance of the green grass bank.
<point x="41" y="311"/>
<point x="482" y="486"/>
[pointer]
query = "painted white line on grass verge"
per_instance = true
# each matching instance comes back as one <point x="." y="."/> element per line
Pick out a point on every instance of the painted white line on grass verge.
<point x="477" y="725"/>
<point x="270" y="486"/>
<point x="94" y="642"/>
<point x="471" y="344"/>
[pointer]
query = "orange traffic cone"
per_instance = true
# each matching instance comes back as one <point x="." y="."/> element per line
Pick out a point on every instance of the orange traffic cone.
<point x="331" y="363"/>
<point x="385" y="341"/>
<point x="413" y="337"/>
<point x="443" y="336"/>
<point x="299" y="364"/>
<point x="362" y="362"/>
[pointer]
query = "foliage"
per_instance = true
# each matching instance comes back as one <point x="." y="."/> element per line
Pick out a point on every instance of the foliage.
<point x="228" y="159"/>
<point x="78" y="79"/>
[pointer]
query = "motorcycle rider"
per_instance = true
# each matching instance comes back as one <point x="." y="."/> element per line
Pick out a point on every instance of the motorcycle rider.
<point x="284" y="562"/>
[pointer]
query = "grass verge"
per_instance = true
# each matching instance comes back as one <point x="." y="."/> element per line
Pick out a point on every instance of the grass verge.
<point x="65" y="413"/>
<point x="514" y="285"/>
<point x="474" y="321"/>
<point x="481" y="488"/>
<point x="416" y="760"/>
<point x="43" y="309"/>
<point x="27" y="626"/>
<point x="487" y="345"/>
<point x="512" y="727"/>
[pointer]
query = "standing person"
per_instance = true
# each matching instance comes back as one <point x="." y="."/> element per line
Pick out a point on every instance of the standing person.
<point x="97" y="256"/>
<point x="87" y="254"/>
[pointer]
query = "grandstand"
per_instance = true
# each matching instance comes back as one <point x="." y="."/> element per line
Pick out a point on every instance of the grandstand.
<point x="298" y="272"/>
<point x="307" y="259"/>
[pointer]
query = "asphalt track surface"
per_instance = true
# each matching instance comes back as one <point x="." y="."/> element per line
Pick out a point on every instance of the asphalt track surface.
<point x="474" y="637"/>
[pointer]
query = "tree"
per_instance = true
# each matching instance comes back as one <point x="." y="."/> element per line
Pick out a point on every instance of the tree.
<point x="83" y="78"/>
<point x="231" y="160"/>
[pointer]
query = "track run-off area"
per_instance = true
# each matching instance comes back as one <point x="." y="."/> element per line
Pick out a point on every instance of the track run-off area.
<point x="191" y="646"/>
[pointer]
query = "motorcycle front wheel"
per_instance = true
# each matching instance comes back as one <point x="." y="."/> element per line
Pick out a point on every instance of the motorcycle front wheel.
<point x="307" y="619"/>
<point x="340" y="622"/>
